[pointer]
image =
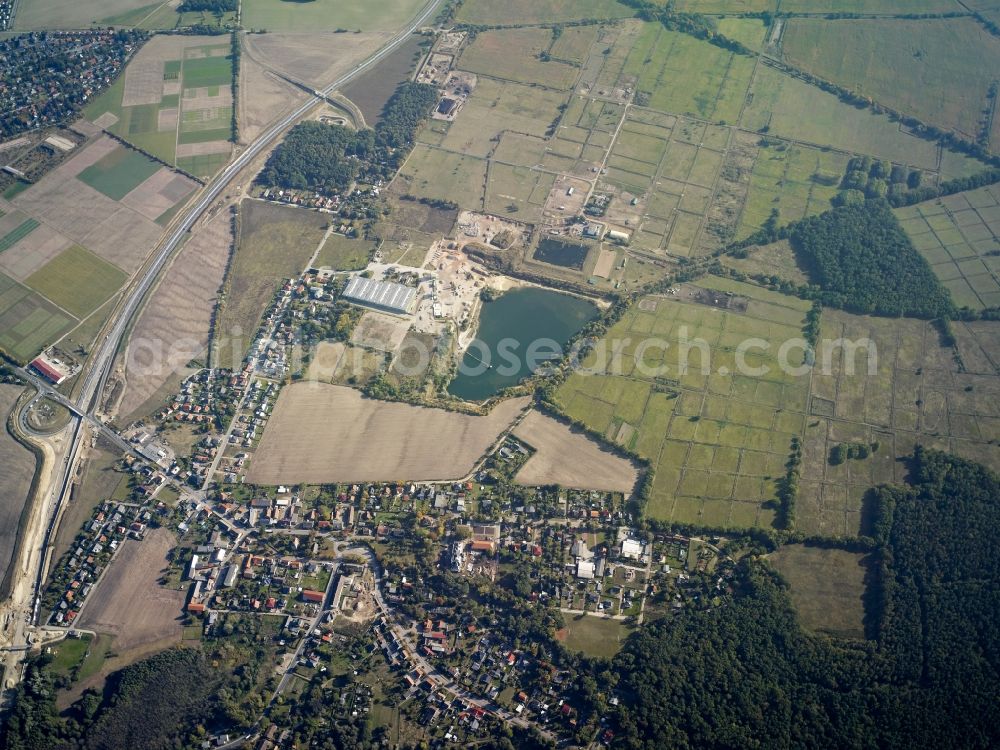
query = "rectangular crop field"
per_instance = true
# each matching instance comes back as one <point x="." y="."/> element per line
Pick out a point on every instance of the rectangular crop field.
<point x="118" y="173"/>
<point x="684" y="75"/>
<point x="960" y="237"/>
<point x="17" y="234"/>
<point x="827" y="587"/>
<point x="28" y="322"/>
<point x="939" y="71"/>
<point x="790" y="108"/>
<point x="513" y="54"/>
<point x="797" y="180"/>
<point x="322" y="434"/>
<point x="77" y="280"/>
<point x="329" y="15"/>
<point x="437" y="174"/>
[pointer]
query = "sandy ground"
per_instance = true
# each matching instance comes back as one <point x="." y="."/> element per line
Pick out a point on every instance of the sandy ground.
<point x="322" y="434"/>
<point x="17" y="466"/>
<point x="605" y="263"/>
<point x="380" y="331"/>
<point x="570" y="459"/>
<point x="326" y="361"/>
<point x="173" y="327"/>
<point x="159" y="193"/>
<point x="128" y="603"/>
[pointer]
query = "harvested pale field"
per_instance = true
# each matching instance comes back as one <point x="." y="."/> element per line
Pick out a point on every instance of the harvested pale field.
<point x="203" y="149"/>
<point x="323" y="434"/>
<point x="166" y="120"/>
<point x="129" y="604"/>
<point x="272" y="97"/>
<point x="605" y="263"/>
<point x="143" y="81"/>
<point x="25" y="257"/>
<point x="174" y="326"/>
<point x="159" y="193"/>
<point x="571" y="459"/>
<point x="85" y="215"/>
<point x="202" y="99"/>
<point x="316" y="59"/>
<point x="17" y="466"/>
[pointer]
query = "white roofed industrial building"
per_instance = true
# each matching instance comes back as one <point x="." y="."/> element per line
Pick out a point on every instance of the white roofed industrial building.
<point x="382" y="295"/>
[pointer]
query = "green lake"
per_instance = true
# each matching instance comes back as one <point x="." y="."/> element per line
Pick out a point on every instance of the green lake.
<point x="517" y="332"/>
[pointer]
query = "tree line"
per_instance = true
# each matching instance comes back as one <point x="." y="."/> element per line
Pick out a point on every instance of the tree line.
<point x="329" y="158"/>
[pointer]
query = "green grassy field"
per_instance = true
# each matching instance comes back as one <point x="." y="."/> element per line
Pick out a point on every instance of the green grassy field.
<point x="717" y="433"/>
<point x="777" y="259"/>
<point x="797" y="180"/>
<point x="119" y="173"/>
<point x="939" y="71"/>
<point x="513" y="55"/>
<point x="70" y="14"/>
<point x="594" y="636"/>
<point x="206" y="71"/>
<point x="680" y="74"/>
<point x="785" y="106"/>
<point x="275" y="244"/>
<point x="496" y="106"/>
<point x="433" y="173"/>
<point x="77" y="280"/>
<point x="490" y="13"/>
<point x="344" y="254"/>
<point x="28" y="321"/>
<point x="827" y="587"/>
<point x="17" y="234"/>
<point x="960" y="237"/>
<point x="329" y="15"/>
<point x="517" y="192"/>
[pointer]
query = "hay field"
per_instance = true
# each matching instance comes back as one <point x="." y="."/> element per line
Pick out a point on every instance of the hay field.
<point x="717" y="437"/>
<point x="437" y="174"/>
<point x="322" y="434"/>
<point x="827" y="587"/>
<point x="918" y="393"/>
<point x="939" y="71"/>
<point x="793" y="109"/>
<point x="329" y="15"/>
<point x="491" y="13"/>
<point x="342" y="253"/>
<point x="513" y="55"/>
<point x="275" y="244"/>
<point x="960" y="237"/>
<point x="129" y="604"/>
<point x="15" y="480"/>
<point x="777" y="259"/>
<point x="570" y="459"/>
<point x="173" y="327"/>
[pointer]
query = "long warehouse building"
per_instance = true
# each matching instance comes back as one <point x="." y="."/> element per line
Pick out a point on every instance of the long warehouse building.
<point x="381" y="295"/>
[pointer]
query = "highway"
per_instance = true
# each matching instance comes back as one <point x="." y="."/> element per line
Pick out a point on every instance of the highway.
<point x="101" y="362"/>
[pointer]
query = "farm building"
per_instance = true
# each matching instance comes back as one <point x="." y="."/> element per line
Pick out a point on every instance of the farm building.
<point x="381" y="295"/>
<point x="47" y="370"/>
